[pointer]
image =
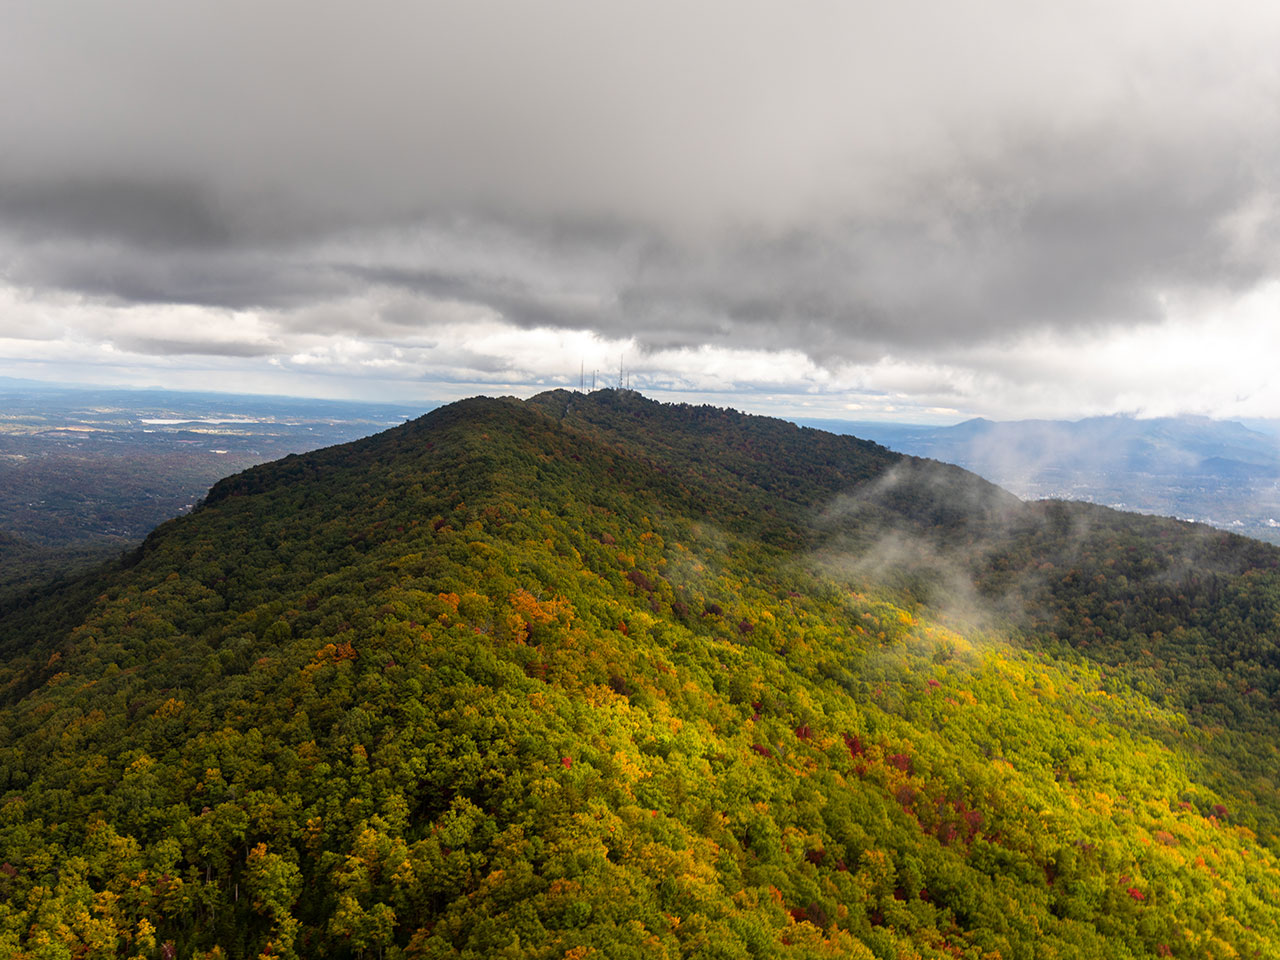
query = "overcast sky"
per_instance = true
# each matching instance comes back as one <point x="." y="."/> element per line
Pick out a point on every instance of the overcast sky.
<point x="920" y="210"/>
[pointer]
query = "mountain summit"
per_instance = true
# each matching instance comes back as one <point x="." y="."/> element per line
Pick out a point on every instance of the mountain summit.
<point x="589" y="675"/>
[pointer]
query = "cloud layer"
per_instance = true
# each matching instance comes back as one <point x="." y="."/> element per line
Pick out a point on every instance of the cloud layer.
<point x="839" y="189"/>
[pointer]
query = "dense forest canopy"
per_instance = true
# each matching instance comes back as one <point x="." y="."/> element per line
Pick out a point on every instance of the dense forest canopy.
<point x="589" y="675"/>
<point x="87" y="473"/>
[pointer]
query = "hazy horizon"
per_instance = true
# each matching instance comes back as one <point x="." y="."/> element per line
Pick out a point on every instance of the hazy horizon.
<point x="1265" y="425"/>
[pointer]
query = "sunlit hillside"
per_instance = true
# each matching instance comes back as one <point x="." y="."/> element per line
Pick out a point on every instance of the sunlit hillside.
<point x="592" y="676"/>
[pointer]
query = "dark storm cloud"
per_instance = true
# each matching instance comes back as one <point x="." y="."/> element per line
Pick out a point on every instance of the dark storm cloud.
<point x="515" y="302"/>
<point x="230" y="276"/>
<point x="840" y="178"/>
<point x="156" y="346"/>
<point x="139" y="214"/>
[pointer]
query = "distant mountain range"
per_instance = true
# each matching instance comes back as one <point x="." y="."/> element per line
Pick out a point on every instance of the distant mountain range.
<point x="1217" y="472"/>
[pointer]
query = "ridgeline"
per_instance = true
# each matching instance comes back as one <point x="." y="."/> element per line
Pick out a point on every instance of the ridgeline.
<point x="594" y="676"/>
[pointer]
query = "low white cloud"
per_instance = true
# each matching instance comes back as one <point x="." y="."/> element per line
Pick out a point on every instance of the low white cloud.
<point x="1211" y="358"/>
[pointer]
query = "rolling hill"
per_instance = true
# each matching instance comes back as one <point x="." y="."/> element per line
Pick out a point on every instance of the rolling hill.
<point x="589" y="675"/>
<point x="88" y="472"/>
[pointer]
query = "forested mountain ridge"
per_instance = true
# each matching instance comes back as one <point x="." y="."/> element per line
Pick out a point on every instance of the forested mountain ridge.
<point x="591" y="675"/>
<point x="1218" y="472"/>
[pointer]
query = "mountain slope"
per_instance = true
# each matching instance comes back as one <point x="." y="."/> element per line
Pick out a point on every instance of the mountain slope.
<point x="590" y="673"/>
<point x="1219" y="472"/>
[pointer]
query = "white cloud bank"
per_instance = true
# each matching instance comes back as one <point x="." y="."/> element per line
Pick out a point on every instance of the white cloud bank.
<point x="1209" y="359"/>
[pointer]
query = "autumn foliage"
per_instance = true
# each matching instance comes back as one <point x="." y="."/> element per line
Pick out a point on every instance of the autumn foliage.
<point x="597" y="677"/>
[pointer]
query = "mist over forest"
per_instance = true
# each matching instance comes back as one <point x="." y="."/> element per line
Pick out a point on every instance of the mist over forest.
<point x="1222" y="473"/>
